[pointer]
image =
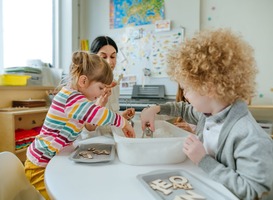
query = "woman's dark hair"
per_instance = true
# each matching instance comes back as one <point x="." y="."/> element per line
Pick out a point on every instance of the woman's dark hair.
<point x="101" y="41"/>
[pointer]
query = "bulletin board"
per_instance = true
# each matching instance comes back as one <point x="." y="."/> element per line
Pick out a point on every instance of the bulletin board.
<point x="143" y="55"/>
<point x="147" y="50"/>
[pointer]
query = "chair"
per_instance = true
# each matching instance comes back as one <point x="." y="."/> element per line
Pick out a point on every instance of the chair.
<point x="14" y="185"/>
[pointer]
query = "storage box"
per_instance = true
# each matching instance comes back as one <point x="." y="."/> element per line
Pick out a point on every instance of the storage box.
<point x="35" y="79"/>
<point x="165" y="148"/>
<point x="13" y="79"/>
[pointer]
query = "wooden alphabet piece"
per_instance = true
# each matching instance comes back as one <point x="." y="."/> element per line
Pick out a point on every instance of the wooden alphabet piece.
<point x="177" y="182"/>
<point x="180" y="182"/>
<point x="189" y="196"/>
<point x="99" y="152"/>
<point x="87" y="154"/>
<point x="161" y="186"/>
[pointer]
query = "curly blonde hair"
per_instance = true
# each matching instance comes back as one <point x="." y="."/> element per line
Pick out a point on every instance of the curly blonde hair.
<point x="215" y="62"/>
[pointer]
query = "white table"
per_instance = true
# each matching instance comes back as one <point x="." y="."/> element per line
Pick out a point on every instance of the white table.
<point x="114" y="180"/>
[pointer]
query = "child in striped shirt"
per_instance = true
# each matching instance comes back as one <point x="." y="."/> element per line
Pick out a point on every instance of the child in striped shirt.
<point x="71" y="109"/>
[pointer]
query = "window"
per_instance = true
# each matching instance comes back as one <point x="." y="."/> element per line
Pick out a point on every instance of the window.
<point x="27" y="31"/>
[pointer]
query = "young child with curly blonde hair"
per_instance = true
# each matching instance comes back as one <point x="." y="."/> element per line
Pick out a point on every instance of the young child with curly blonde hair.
<point x="216" y="69"/>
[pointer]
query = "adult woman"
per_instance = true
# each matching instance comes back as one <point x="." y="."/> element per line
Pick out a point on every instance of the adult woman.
<point x="106" y="48"/>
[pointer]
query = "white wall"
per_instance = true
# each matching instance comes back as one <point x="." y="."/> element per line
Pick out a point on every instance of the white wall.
<point x="68" y="37"/>
<point x="94" y="17"/>
<point x="252" y="18"/>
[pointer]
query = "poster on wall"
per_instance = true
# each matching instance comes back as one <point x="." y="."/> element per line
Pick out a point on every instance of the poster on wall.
<point x="124" y="13"/>
<point x="128" y="81"/>
<point x="141" y="50"/>
<point x="162" y="44"/>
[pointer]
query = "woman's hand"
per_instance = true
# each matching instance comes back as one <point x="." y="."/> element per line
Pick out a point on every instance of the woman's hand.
<point x="194" y="149"/>
<point x="128" y="113"/>
<point x="128" y="130"/>
<point x="148" y="116"/>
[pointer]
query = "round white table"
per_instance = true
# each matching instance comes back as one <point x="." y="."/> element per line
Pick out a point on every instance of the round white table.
<point x="66" y="179"/>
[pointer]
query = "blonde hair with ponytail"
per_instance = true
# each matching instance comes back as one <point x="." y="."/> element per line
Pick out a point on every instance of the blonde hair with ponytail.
<point x="92" y="66"/>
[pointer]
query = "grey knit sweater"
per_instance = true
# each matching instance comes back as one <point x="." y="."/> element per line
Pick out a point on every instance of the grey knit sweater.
<point x="244" y="158"/>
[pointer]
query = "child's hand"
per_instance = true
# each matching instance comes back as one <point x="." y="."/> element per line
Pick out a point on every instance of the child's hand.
<point x="148" y="116"/>
<point x="90" y="127"/>
<point x="128" y="113"/>
<point x="184" y="125"/>
<point x="128" y="130"/>
<point x="103" y="99"/>
<point x="194" y="149"/>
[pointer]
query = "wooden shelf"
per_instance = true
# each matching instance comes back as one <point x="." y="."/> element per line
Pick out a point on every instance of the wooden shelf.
<point x="267" y="107"/>
<point x="38" y="87"/>
<point x="11" y="93"/>
<point x="11" y="120"/>
<point x="262" y="112"/>
<point x="20" y="119"/>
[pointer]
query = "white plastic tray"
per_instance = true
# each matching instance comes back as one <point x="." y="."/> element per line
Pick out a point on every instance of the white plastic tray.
<point x="199" y="186"/>
<point x="96" y="157"/>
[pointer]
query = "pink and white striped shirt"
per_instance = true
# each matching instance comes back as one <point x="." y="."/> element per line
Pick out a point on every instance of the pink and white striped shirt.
<point x="66" y="117"/>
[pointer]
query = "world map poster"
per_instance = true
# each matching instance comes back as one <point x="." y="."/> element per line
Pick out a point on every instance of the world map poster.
<point x="124" y="13"/>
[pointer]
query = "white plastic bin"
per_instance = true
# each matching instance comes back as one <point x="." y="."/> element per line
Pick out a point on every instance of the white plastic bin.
<point x="163" y="149"/>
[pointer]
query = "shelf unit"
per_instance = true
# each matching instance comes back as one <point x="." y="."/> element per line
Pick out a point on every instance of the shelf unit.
<point x="262" y="112"/>
<point x="10" y="120"/>
<point x="22" y="119"/>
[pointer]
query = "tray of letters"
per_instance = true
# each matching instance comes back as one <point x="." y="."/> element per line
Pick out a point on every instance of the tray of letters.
<point x="178" y="185"/>
<point x="93" y="153"/>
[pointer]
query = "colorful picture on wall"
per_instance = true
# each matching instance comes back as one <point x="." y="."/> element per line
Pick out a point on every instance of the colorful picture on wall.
<point x="162" y="25"/>
<point x="152" y="47"/>
<point x="162" y="44"/>
<point x="124" y="13"/>
<point x="128" y="81"/>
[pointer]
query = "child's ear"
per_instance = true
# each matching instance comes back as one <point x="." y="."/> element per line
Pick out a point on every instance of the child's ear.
<point x="83" y="81"/>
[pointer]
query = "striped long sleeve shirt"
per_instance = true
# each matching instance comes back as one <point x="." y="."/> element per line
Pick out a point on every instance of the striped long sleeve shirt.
<point x="66" y="117"/>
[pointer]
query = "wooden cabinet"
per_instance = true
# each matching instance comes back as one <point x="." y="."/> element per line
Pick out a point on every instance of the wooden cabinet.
<point x="14" y="120"/>
<point x="262" y="112"/>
